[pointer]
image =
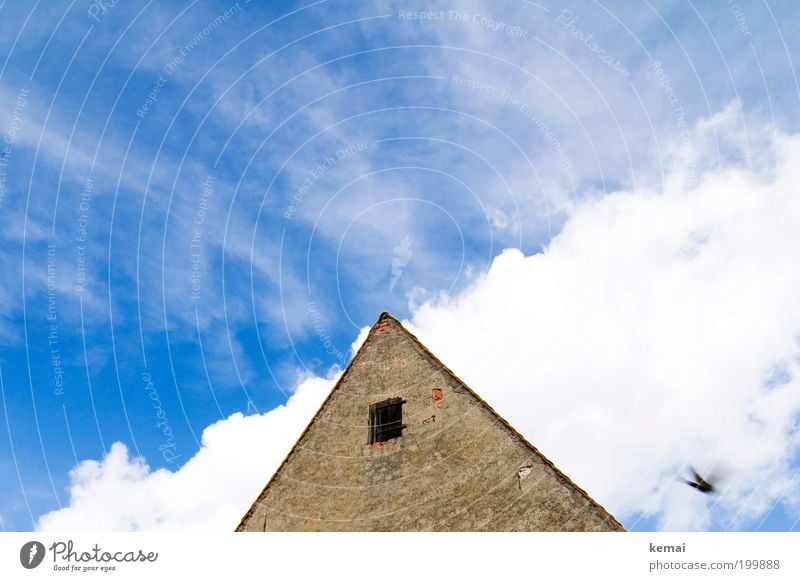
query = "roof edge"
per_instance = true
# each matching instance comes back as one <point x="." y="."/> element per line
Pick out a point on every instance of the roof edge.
<point x="382" y="317"/>
<point x="567" y="480"/>
<point x="386" y="316"/>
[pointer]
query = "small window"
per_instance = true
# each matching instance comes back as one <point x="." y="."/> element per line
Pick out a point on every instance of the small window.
<point x="385" y="420"/>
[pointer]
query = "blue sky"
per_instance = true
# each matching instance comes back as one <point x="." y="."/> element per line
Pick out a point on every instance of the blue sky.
<point x="203" y="204"/>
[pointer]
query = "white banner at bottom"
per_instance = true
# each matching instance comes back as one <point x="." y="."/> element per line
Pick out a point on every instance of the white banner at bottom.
<point x="400" y="556"/>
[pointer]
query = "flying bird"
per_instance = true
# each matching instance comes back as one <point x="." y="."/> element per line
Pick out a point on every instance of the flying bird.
<point x="700" y="483"/>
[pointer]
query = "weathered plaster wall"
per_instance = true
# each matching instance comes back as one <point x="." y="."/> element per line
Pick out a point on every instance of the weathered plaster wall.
<point x="457" y="467"/>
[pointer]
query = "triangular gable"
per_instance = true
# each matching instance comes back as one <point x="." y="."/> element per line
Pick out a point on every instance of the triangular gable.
<point x="470" y="471"/>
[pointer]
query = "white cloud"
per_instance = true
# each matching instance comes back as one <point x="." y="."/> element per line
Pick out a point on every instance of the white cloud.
<point x="657" y="330"/>
<point x="211" y="491"/>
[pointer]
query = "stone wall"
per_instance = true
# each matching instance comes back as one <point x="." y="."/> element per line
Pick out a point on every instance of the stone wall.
<point x="457" y="467"/>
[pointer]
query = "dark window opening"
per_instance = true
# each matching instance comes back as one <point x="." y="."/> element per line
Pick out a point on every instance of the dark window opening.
<point x="385" y="420"/>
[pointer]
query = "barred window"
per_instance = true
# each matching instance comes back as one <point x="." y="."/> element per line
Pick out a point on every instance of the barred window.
<point x="386" y="420"/>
